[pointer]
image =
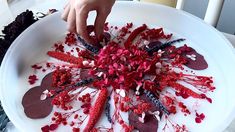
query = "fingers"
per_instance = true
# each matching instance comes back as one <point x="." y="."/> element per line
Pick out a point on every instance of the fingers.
<point x="65" y="14"/>
<point x="72" y="20"/>
<point x="81" y="23"/>
<point x="99" y="23"/>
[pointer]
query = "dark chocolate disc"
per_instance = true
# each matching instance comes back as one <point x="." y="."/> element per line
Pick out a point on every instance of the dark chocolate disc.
<point x="154" y="43"/>
<point x="47" y="81"/>
<point x="150" y="124"/>
<point x="34" y="107"/>
<point x="199" y="63"/>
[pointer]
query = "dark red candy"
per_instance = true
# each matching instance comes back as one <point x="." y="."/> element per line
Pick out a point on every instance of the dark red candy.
<point x="34" y="107"/>
<point x="47" y="81"/>
<point x="150" y="124"/>
<point x="198" y="64"/>
<point x="106" y="37"/>
<point x="90" y="29"/>
<point x="154" y="43"/>
<point x="84" y="74"/>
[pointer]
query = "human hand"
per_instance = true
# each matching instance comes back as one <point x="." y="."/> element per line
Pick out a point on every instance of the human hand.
<point x="76" y="13"/>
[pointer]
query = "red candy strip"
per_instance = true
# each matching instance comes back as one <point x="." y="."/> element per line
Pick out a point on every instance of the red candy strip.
<point x="97" y="110"/>
<point x="66" y="58"/>
<point x="134" y="34"/>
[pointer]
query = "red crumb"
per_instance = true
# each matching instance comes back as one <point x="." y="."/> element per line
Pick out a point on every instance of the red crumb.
<point x="32" y="79"/>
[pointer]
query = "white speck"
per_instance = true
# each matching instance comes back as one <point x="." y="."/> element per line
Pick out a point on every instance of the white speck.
<point x="92" y="64"/>
<point x="137" y="90"/>
<point x="160" y="52"/>
<point x="137" y="93"/>
<point x="43" y="96"/>
<point x="193" y="55"/>
<point x="45" y="91"/>
<point x="158" y="65"/>
<point x="129" y="67"/>
<point x="156" y="114"/>
<point x="99" y="74"/>
<point x="193" y="59"/>
<point x="146" y="42"/>
<point x="121" y="92"/>
<point x="123" y="58"/>
<point x="141" y="119"/>
<point x="189" y="56"/>
<point x="85" y="63"/>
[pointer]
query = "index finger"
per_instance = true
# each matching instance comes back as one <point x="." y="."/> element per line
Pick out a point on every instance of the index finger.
<point x="81" y="23"/>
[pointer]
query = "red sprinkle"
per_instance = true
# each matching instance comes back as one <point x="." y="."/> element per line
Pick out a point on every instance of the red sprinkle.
<point x="184" y="91"/>
<point x="36" y="67"/>
<point x="45" y="128"/>
<point x="76" y="130"/>
<point x="53" y="127"/>
<point x="199" y="117"/>
<point x="32" y="79"/>
<point x="70" y="39"/>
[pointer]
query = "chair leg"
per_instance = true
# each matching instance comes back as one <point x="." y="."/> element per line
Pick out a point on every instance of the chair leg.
<point x="213" y="12"/>
<point x="180" y="4"/>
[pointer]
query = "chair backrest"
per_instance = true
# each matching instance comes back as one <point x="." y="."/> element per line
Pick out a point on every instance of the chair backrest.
<point x="212" y="13"/>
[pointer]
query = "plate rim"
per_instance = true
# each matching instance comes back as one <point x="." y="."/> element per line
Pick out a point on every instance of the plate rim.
<point x="14" y="46"/>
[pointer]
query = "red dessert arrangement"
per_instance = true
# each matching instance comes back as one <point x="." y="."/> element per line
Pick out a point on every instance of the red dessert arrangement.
<point x="134" y="79"/>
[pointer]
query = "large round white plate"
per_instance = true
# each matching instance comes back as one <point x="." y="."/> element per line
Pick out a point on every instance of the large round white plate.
<point x="31" y="46"/>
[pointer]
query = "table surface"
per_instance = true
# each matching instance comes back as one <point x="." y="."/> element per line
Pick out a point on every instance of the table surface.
<point x="9" y="11"/>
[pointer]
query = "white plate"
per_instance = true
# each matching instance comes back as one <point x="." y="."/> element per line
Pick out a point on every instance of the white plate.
<point x="31" y="46"/>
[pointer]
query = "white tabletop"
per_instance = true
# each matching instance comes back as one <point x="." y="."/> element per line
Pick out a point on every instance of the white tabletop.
<point x="8" y="13"/>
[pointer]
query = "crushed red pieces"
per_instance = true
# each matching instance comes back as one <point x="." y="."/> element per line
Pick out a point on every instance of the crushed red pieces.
<point x="36" y="67"/>
<point x="62" y="100"/>
<point x="61" y="77"/>
<point x="155" y="34"/>
<point x="123" y="69"/>
<point x="32" y="79"/>
<point x="59" y="47"/>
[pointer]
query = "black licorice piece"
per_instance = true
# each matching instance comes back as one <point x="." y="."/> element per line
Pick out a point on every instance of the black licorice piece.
<point x="84" y="82"/>
<point x="89" y="47"/>
<point x="107" y="110"/>
<point x="155" y="101"/>
<point x="78" y="84"/>
<point x="157" y="47"/>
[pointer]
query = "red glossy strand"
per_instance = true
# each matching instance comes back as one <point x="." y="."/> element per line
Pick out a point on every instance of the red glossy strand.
<point x="134" y="34"/>
<point x="184" y="91"/>
<point x="65" y="57"/>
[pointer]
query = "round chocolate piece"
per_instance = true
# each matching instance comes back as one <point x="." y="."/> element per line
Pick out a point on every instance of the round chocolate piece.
<point x="34" y="106"/>
<point x="196" y="63"/>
